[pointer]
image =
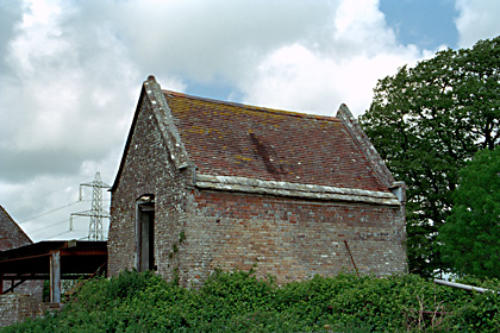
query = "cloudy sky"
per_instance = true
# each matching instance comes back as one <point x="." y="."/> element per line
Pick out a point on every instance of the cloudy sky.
<point x="71" y="73"/>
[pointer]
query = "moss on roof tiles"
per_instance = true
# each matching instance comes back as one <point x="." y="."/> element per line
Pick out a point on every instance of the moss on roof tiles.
<point x="230" y="139"/>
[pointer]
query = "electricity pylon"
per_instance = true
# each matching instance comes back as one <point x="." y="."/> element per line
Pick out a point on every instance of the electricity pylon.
<point x="96" y="212"/>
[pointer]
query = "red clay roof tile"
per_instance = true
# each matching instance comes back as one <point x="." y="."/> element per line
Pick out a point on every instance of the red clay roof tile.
<point x="228" y="139"/>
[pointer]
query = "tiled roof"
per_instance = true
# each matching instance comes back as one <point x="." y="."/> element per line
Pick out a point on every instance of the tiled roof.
<point x="228" y="139"/>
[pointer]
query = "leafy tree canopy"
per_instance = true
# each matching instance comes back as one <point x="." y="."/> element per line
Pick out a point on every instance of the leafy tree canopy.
<point x="471" y="235"/>
<point x="426" y="122"/>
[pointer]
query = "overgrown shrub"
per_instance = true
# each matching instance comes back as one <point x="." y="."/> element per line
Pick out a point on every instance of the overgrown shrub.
<point x="231" y="302"/>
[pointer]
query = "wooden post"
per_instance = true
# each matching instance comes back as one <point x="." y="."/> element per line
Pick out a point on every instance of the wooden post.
<point x="55" y="277"/>
<point x="350" y="255"/>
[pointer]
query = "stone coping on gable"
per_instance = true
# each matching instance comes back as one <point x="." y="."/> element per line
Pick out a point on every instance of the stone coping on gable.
<point x="298" y="190"/>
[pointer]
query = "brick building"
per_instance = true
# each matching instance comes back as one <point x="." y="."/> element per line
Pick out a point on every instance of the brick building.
<point x="205" y="184"/>
<point x="11" y="237"/>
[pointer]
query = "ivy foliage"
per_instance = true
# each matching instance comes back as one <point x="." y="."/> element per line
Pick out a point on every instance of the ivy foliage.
<point x="239" y="302"/>
<point x="426" y="122"/>
<point x="471" y="235"/>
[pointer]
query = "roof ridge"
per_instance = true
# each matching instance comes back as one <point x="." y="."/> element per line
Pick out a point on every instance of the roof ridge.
<point x="254" y="108"/>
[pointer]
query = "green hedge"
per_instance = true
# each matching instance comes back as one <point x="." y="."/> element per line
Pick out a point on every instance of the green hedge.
<point x="143" y="302"/>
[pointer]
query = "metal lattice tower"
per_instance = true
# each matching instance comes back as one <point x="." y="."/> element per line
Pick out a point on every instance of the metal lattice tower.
<point x="96" y="212"/>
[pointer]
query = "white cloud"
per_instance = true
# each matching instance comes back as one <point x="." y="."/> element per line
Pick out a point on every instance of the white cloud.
<point x="478" y="19"/>
<point x="54" y="93"/>
<point x="66" y="101"/>
<point x="297" y="78"/>
<point x="207" y="39"/>
<point x="68" y="94"/>
<point x="361" y="50"/>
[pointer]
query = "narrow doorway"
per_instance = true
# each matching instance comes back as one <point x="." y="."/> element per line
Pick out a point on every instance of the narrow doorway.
<point x="145" y="233"/>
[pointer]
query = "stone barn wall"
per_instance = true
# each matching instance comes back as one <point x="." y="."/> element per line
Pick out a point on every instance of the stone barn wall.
<point x="145" y="172"/>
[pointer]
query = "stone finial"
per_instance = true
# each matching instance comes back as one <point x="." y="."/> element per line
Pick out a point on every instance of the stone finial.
<point x="344" y="112"/>
<point x="398" y="188"/>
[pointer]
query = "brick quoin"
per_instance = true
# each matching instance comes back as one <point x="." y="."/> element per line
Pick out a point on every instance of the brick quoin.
<point x="237" y="187"/>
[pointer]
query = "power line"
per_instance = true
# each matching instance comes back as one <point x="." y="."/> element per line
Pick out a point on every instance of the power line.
<point x="64" y="232"/>
<point x="61" y="233"/>
<point x="57" y="209"/>
<point x="91" y="200"/>
<point x="49" y="212"/>
<point x="47" y="226"/>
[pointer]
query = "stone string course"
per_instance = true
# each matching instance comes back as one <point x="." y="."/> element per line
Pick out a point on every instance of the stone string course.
<point x="308" y="191"/>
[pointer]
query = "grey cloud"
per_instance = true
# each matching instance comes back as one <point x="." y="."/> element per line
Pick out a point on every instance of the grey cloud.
<point x="23" y="166"/>
<point x="10" y="14"/>
<point x="26" y="198"/>
<point x="66" y="97"/>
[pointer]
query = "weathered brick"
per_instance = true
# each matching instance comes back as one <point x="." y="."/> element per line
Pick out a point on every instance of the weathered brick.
<point x="16" y="308"/>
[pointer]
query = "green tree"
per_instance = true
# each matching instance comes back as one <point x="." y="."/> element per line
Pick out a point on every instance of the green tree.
<point x="471" y="236"/>
<point x="426" y="122"/>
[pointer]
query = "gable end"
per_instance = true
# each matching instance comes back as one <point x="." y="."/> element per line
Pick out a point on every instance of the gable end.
<point x="376" y="163"/>
<point x="11" y="232"/>
<point x="151" y="93"/>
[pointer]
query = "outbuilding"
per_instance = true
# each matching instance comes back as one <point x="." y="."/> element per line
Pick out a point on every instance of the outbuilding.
<point x="206" y="185"/>
<point x="11" y="237"/>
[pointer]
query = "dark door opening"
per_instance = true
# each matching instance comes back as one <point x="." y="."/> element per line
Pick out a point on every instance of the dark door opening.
<point x="145" y="234"/>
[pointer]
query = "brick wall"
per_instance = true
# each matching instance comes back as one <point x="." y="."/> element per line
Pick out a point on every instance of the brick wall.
<point x="17" y="308"/>
<point x="290" y="239"/>
<point x="29" y="287"/>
